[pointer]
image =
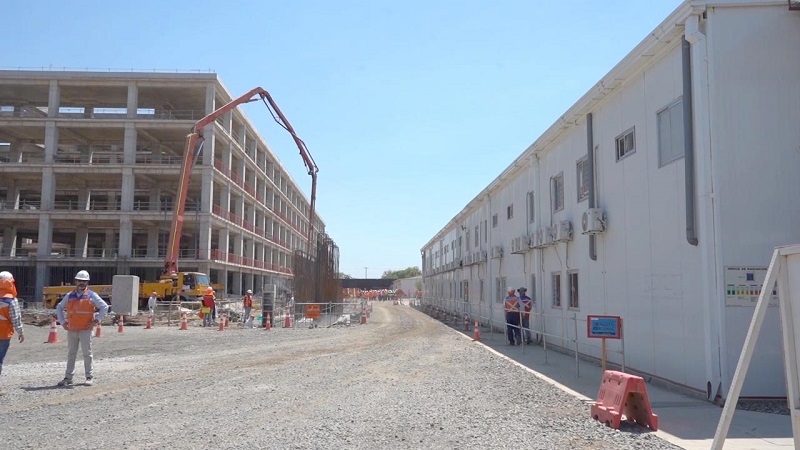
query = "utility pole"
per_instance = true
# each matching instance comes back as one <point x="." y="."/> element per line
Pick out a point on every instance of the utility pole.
<point x="365" y="273"/>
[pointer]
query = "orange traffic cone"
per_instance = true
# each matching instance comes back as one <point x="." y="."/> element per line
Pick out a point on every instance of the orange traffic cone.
<point x="98" y="330"/>
<point x="149" y="324"/>
<point x="121" y="324"/>
<point x="268" y="324"/>
<point x="363" y="317"/>
<point x="225" y="320"/>
<point x="52" y="338"/>
<point x="221" y="324"/>
<point x="476" y="336"/>
<point x="184" y="322"/>
<point x="466" y="323"/>
<point x="287" y="321"/>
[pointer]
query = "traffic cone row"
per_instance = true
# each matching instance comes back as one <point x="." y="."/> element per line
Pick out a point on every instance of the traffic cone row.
<point x="52" y="338"/>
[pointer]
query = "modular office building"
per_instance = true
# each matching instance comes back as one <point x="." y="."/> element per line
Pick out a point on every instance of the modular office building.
<point x="658" y="197"/>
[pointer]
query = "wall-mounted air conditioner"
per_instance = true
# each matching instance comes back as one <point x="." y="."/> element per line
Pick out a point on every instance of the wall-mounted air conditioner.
<point x="518" y="245"/>
<point x="562" y="231"/>
<point x="497" y="252"/>
<point x="548" y="236"/>
<point x="484" y="256"/>
<point x="537" y="240"/>
<point x="468" y="259"/>
<point x="593" y="221"/>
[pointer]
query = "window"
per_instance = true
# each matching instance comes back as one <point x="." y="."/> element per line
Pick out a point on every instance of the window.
<point x="556" y="290"/>
<point x="480" y="286"/>
<point x="500" y="289"/>
<point x="485" y="232"/>
<point x="670" y="133"/>
<point x="476" y="236"/>
<point x="494" y="220"/>
<point x="582" y="177"/>
<point x="557" y="189"/>
<point x="466" y="241"/>
<point x="626" y="144"/>
<point x="532" y="291"/>
<point x="572" y="285"/>
<point x="510" y="212"/>
<point x="530" y="205"/>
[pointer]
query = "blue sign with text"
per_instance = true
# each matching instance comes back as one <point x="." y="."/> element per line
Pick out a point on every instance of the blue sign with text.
<point x="604" y="327"/>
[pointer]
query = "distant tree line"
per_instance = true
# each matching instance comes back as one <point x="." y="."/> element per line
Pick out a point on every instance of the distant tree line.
<point x="408" y="272"/>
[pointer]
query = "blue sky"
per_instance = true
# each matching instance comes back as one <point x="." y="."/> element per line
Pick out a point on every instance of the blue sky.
<point x="409" y="108"/>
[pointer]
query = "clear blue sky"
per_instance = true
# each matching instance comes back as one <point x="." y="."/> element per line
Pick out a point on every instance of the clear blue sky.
<point x="409" y="108"/>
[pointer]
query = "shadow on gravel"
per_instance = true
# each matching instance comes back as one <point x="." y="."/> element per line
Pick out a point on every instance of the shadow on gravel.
<point x="41" y="388"/>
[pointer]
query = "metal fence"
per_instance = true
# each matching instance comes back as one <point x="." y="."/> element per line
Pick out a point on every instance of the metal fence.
<point x="316" y="276"/>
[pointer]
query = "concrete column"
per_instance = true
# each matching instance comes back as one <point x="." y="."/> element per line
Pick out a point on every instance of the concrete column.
<point x="128" y="188"/>
<point x="9" y="241"/>
<point x="15" y="151"/>
<point x="53" y="99"/>
<point x="207" y="192"/>
<point x="133" y="100"/>
<point x="238" y="206"/>
<point x="42" y="279"/>
<point x="12" y="195"/>
<point x="109" y="247"/>
<point x="209" y="146"/>
<point x="83" y="199"/>
<point x="152" y="242"/>
<point x="242" y="132"/>
<point x="125" y="236"/>
<point x="223" y="237"/>
<point x="211" y="91"/>
<point x="129" y="145"/>
<point x="81" y="242"/>
<point x="238" y="245"/>
<point x="236" y="288"/>
<point x="50" y="142"/>
<point x="48" y="188"/>
<point x="45" y="237"/>
<point x="205" y="237"/>
<point x="155" y="200"/>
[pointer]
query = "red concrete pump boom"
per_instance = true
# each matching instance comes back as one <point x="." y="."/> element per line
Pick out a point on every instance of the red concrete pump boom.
<point x="194" y="145"/>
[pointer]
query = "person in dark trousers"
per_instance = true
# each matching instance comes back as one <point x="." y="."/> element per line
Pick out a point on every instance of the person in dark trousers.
<point x="511" y="307"/>
<point x="526" y="306"/>
<point x="10" y="316"/>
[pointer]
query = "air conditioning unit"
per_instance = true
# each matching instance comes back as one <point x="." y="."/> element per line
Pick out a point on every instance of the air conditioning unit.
<point x="537" y="240"/>
<point x="563" y="231"/>
<point x="516" y="245"/>
<point x="484" y="256"/>
<point x="547" y="236"/>
<point x="497" y="252"/>
<point x="593" y="221"/>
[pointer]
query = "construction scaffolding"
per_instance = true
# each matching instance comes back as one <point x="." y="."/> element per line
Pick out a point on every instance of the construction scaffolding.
<point x="316" y="276"/>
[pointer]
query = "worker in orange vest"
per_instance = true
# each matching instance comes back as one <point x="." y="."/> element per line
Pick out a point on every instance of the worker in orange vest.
<point x="247" y="305"/>
<point x="511" y="307"/>
<point x="209" y="301"/>
<point x="78" y="312"/>
<point x="10" y="315"/>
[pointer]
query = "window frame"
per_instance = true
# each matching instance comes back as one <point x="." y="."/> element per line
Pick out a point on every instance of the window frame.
<point x="555" y="290"/>
<point x="558" y="200"/>
<point x="622" y="139"/>
<point x="573" y="290"/>
<point x="582" y="178"/>
<point x="510" y="212"/>
<point x="678" y="102"/>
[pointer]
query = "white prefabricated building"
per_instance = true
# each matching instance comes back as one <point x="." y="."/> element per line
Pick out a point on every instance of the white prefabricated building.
<point x="658" y="197"/>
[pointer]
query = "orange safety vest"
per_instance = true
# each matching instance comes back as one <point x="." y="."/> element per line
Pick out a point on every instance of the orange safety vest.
<point x="248" y="300"/>
<point x="6" y="326"/>
<point x="512" y="304"/>
<point x="208" y="301"/>
<point x="527" y="305"/>
<point x="80" y="311"/>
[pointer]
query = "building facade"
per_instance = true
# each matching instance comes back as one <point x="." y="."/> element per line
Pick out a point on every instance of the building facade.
<point x="658" y="197"/>
<point x="89" y="171"/>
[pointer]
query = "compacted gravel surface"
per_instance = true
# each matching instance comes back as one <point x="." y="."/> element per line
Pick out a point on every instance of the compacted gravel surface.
<point x="403" y="380"/>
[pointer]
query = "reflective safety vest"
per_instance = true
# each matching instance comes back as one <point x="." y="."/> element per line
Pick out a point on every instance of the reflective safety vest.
<point x="512" y="304"/>
<point x="8" y="288"/>
<point x="6" y="326"/>
<point x="80" y="310"/>
<point x="527" y="306"/>
<point x="248" y="300"/>
<point x="208" y="301"/>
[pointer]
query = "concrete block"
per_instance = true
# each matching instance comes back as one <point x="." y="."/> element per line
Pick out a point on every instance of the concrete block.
<point x="125" y="294"/>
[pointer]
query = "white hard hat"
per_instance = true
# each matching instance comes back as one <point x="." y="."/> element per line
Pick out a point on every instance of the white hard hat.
<point x="6" y="275"/>
<point x="249" y="291"/>
<point x="82" y="275"/>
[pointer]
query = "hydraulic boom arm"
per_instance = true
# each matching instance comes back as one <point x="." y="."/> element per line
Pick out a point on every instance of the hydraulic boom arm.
<point x="194" y="145"/>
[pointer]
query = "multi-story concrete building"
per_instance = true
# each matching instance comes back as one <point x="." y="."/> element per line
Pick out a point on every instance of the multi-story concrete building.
<point x="658" y="197"/>
<point x="89" y="168"/>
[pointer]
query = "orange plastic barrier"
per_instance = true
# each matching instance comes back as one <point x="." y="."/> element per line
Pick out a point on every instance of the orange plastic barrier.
<point x="623" y="394"/>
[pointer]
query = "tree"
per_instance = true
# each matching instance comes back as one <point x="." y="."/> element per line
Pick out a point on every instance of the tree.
<point x="343" y="276"/>
<point x="408" y="272"/>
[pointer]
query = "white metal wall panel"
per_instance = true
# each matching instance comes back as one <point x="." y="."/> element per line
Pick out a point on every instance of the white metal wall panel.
<point x="755" y="105"/>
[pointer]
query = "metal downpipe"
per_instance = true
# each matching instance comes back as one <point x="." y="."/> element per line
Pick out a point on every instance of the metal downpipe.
<point x="688" y="141"/>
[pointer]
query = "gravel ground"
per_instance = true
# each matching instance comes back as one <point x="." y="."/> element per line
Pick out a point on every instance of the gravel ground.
<point x="401" y="381"/>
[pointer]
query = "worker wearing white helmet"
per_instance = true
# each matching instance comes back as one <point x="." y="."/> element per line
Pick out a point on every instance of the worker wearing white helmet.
<point x="10" y="315"/>
<point x="151" y="303"/>
<point x="247" y="306"/>
<point x="78" y="312"/>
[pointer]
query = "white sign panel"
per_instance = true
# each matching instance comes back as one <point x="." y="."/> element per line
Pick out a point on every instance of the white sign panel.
<point x="743" y="286"/>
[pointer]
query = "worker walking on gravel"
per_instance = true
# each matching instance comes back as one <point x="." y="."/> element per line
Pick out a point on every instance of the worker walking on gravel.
<point x="208" y="307"/>
<point x="511" y="307"/>
<point x="78" y="312"/>
<point x="151" y="304"/>
<point x="247" y="305"/>
<point x="10" y="316"/>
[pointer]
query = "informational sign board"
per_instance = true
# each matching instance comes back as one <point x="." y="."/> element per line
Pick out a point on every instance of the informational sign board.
<point x="608" y="327"/>
<point x="312" y="311"/>
<point x="743" y="286"/>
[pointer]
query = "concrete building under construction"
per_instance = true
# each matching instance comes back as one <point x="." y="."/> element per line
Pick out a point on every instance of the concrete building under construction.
<point x="89" y="170"/>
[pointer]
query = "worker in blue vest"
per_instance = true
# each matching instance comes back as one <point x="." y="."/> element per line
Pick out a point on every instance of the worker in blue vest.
<point x="511" y="307"/>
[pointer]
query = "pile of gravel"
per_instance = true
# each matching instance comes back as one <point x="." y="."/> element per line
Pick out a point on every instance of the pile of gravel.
<point x="771" y="406"/>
